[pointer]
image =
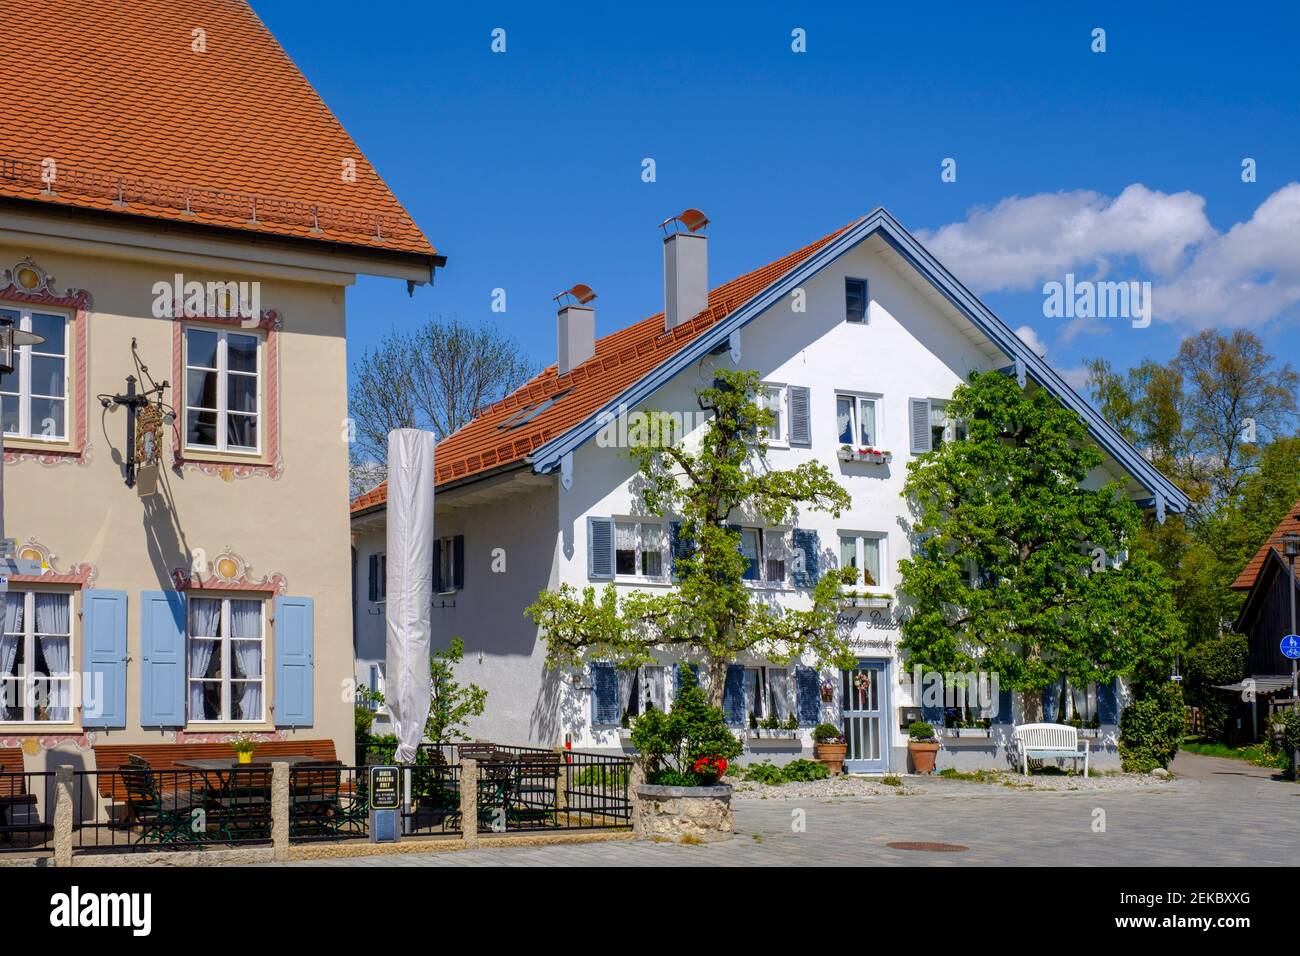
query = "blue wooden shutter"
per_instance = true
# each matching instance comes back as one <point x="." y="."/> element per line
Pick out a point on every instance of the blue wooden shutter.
<point x="810" y="695"/>
<point x="1006" y="706"/>
<point x="679" y="547"/>
<point x="374" y="578"/>
<point x="800" y="416"/>
<point x="604" y="694"/>
<point x="294" y="661"/>
<point x="600" y="547"/>
<point x="437" y="566"/>
<point x="733" y="695"/>
<point x="1052" y="702"/>
<point x="1107" y="702"/>
<point x="458" y="562"/>
<point x="807" y="549"/>
<point x="103" y="616"/>
<point x="920" y="415"/>
<point x="162" y="659"/>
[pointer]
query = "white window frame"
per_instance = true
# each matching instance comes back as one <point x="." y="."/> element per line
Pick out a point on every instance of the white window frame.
<point x="24" y="678"/>
<point x="640" y="684"/>
<point x="769" y="540"/>
<point x="223" y="373"/>
<point x="882" y="549"/>
<point x="760" y="703"/>
<point x="640" y="525"/>
<point x="227" y="681"/>
<point x="1089" y="694"/>
<point x="378" y="685"/>
<point x="446" y="566"/>
<point x="782" y="408"/>
<point x="23" y="373"/>
<point x="858" y="399"/>
<point x="952" y="428"/>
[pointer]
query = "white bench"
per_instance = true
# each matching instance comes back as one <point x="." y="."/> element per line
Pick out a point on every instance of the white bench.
<point x="1049" y="742"/>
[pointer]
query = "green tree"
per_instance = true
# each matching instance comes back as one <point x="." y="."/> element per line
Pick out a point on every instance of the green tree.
<point x="710" y="616"/>
<point x="1017" y="569"/>
<point x="452" y="704"/>
<point x="1220" y="660"/>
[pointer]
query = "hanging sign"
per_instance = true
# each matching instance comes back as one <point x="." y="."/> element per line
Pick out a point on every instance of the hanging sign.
<point x="148" y="435"/>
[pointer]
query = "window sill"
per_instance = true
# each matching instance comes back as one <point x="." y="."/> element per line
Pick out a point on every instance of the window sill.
<point x="883" y="601"/>
<point x="641" y="581"/>
<point x="229" y="727"/>
<point x="33" y="728"/>
<point x="213" y="455"/>
<point x="763" y="733"/>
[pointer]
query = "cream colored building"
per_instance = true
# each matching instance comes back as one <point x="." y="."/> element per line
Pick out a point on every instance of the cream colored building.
<point x="211" y="594"/>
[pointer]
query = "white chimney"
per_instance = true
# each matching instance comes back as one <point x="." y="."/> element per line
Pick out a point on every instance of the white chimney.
<point x="686" y="268"/>
<point x="575" y="328"/>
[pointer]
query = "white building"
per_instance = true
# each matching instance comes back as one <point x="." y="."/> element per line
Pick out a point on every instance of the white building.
<point x="862" y="330"/>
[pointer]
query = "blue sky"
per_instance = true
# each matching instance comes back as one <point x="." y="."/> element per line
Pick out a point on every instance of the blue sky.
<point x="524" y="168"/>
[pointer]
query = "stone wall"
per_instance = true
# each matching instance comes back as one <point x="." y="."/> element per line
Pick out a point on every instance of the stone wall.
<point x="684" y="814"/>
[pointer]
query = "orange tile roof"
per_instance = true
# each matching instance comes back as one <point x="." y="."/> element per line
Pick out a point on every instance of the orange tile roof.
<point x="115" y="95"/>
<point x="1246" y="579"/>
<point x="621" y="359"/>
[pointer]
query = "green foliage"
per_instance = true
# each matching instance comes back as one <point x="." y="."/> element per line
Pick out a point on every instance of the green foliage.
<point x="1051" y="598"/>
<point x="1290" y="721"/>
<point x="892" y="780"/>
<point x="801" y="770"/>
<point x="1151" y="727"/>
<point x="1218" y="660"/>
<point x="600" y="775"/>
<point x="710" y="614"/>
<point x="828" y="734"/>
<point x="920" y="731"/>
<point x="452" y="705"/>
<point x="670" y="743"/>
<point x="365" y="720"/>
<point x="765" y="772"/>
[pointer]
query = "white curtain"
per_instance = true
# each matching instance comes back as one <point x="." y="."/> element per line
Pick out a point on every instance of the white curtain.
<point x="13" y="631"/>
<point x="627" y="691"/>
<point x="53" y="630"/>
<point x="778" y="683"/>
<point x="246" y="633"/>
<point x="205" y="621"/>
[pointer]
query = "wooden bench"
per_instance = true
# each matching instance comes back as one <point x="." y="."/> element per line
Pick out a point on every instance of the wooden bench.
<point x="13" y="793"/>
<point x="1049" y="742"/>
<point x="112" y="757"/>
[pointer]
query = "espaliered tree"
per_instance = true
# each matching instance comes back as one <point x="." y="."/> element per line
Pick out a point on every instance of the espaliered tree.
<point x="710" y="617"/>
<point x="1017" y="569"/>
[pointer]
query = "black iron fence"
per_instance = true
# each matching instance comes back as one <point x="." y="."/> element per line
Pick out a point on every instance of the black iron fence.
<point x="26" y="812"/>
<point x="328" y="802"/>
<point x="139" y="808"/>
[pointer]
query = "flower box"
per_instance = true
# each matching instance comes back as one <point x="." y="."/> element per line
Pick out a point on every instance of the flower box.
<point x="978" y="733"/>
<point x="1089" y="733"/>
<point x="766" y="733"/>
<point x="866" y="600"/>
<point x="872" y="456"/>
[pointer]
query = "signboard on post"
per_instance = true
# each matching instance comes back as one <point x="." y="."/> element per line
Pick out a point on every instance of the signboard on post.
<point x="385" y="804"/>
<point x="1291" y="646"/>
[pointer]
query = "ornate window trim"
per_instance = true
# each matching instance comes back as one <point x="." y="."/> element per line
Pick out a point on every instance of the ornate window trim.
<point x="29" y="283"/>
<point x="229" y="572"/>
<point x="228" y="467"/>
<point x="79" y="575"/>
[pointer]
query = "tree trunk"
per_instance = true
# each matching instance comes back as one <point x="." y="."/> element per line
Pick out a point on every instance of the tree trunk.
<point x="717" y="675"/>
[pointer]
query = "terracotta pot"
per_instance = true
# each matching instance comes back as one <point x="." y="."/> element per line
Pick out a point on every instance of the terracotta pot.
<point x="832" y="755"/>
<point x="923" y="755"/>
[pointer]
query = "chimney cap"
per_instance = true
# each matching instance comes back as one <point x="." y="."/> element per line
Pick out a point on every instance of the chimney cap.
<point x="693" y="219"/>
<point x="582" y="292"/>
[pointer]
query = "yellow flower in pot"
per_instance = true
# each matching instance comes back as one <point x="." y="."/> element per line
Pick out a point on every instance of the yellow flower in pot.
<point x="243" y="745"/>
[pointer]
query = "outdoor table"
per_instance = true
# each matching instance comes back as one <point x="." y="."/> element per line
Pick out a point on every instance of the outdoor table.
<point x="232" y="763"/>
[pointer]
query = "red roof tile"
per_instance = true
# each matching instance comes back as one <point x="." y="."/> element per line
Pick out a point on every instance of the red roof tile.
<point x="1246" y="579"/>
<point x="621" y="359"/>
<point x="115" y="95"/>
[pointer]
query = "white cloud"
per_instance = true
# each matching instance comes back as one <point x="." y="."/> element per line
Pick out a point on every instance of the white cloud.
<point x="1248" y="275"/>
<point x="1030" y="338"/>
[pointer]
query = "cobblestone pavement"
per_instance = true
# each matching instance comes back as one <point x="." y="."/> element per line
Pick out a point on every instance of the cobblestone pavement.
<point x="1220" y="812"/>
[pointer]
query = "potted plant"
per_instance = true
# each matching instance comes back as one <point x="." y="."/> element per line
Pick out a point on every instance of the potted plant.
<point x="243" y="745"/>
<point x="922" y="746"/>
<point x="830" y="747"/>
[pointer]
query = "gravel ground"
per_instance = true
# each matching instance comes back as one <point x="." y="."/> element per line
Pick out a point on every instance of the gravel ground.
<point x="853" y="786"/>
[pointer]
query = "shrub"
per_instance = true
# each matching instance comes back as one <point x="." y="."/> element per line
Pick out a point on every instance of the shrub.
<point x="892" y="780"/>
<point x="920" y="731"/>
<point x="1290" y="721"/>
<point x="671" y="744"/>
<point x="600" y="775"/>
<point x="1220" y="660"/>
<point x="1151" y="727"/>
<point x="801" y="770"/>
<point x="765" y="772"/>
<point x="828" y="734"/>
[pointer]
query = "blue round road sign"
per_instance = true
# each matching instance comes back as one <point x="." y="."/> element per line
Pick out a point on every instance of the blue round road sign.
<point x="1291" y="646"/>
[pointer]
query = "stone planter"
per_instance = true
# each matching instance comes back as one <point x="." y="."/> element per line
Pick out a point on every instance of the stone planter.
<point x="684" y="814"/>
<point x="832" y="755"/>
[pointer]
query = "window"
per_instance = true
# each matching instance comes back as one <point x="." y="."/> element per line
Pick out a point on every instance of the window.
<point x="766" y="552"/>
<point x="942" y="428"/>
<point x="378" y="590"/>
<point x="34" y="396"/>
<point x="222" y="390"/>
<point x="446" y="565"/>
<point x="855" y="419"/>
<point x="767" y="692"/>
<point x="863" y="551"/>
<point x="639" y="549"/>
<point x="644" y="689"/>
<point x="1081" y="703"/>
<point x="226" y="651"/>
<point x="530" y="412"/>
<point x="36" y="657"/>
<point x="855" y="300"/>
<point x="773" y="398"/>
<point x="375" y="684"/>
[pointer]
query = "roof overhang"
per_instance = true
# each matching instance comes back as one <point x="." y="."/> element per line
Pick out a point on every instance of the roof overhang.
<point x="1165" y="494"/>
